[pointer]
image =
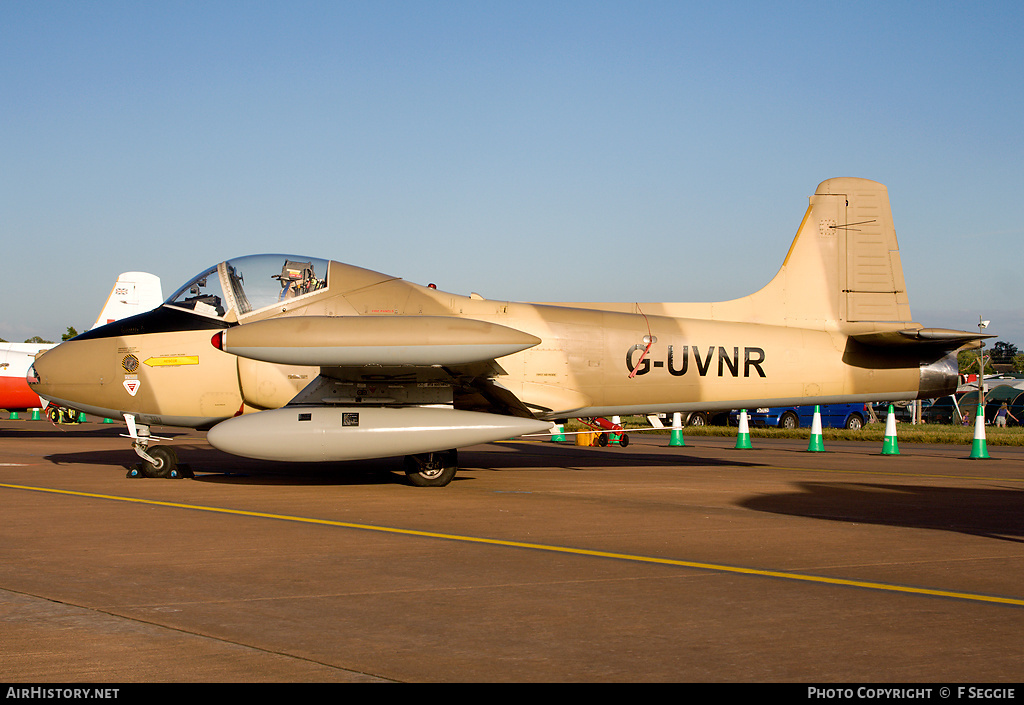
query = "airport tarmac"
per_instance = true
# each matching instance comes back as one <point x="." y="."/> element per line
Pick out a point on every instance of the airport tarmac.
<point x="540" y="562"/>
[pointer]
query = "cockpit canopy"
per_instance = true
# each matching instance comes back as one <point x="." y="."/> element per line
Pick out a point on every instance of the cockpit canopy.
<point x="250" y="284"/>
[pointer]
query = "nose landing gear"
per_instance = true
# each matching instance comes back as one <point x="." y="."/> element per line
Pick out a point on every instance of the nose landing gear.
<point x="158" y="461"/>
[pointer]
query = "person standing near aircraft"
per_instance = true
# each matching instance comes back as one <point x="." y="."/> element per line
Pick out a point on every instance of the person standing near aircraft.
<point x="1001" y="415"/>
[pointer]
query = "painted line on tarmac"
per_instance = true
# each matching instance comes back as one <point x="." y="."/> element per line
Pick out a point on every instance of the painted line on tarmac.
<point x="799" y="577"/>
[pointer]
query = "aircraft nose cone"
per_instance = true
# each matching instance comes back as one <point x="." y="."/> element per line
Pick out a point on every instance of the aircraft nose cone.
<point x="59" y="373"/>
<point x="34" y="378"/>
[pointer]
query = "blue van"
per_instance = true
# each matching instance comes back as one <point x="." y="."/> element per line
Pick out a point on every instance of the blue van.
<point x="849" y="416"/>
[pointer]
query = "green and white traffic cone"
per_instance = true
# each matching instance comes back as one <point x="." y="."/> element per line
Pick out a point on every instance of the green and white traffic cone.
<point x="676" y="435"/>
<point x="816" y="445"/>
<point x="81" y="417"/>
<point x="558" y="433"/>
<point x="889" y="445"/>
<point x="112" y="421"/>
<point x="35" y="415"/>
<point x="14" y="416"/>
<point x="978" y="448"/>
<point x="743" y="437"/>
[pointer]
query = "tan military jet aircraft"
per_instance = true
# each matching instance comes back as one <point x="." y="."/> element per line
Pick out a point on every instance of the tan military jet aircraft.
<point x="290" y="358"/>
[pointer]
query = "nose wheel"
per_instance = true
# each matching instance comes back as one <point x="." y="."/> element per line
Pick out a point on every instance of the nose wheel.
<point x="158" y="461"/>
<point x="162" y="462"/>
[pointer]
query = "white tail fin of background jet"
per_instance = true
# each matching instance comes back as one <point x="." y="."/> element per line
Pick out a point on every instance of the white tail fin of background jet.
<point x="134" y="292"/>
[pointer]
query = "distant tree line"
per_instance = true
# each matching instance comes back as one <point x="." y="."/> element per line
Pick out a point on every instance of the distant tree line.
<point x="71" y="333"/>
<point x="1001" y="353"/>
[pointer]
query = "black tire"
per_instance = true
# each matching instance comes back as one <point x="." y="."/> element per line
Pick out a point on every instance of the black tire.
<point x="432" y="469"/>
<point x="697" y="418"/>
<point x="624" y="440"/>
<point x="789" y="421"/>
<point x="602" y="440"/>
<point x="855" y="422"/>
<point x="165" y="462"/>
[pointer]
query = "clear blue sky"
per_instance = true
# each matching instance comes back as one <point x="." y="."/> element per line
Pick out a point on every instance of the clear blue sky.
<point x="631" y="151"/>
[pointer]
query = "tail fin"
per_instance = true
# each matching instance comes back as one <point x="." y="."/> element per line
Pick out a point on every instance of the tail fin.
<point x="133" y="292"/>
<point x="844" y="264"/>
<point x="843" y="272"/>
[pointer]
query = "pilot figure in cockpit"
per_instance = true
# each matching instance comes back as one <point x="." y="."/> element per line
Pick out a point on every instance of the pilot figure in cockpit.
<point x="296" y="278"/>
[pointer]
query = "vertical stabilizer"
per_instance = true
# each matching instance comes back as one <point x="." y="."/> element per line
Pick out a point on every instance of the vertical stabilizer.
<point x="874" y="288"/>
<point x="843" y="266"/>
<point x="842" y="271"/>
<point x="133" y="292"/>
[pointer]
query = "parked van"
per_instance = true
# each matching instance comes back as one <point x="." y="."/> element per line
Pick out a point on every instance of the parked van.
<point x="832" y="416"/>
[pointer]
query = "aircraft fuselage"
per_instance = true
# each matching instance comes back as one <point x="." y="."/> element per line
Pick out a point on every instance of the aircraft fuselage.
<point x="327" y="361"/>
<point x="588" y="363"/>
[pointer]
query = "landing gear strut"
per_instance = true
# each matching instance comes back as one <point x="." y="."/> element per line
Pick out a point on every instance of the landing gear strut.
<point x="158" y="461"/>
<point x="432" y="469"/>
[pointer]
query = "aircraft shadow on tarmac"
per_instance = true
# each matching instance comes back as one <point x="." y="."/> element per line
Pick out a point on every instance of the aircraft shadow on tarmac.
<point x="70" y="431"/>
<point x="210" y="465"/>
<point x="991" y="513"/>
<point x="558" y="455"/>
<point x="994" y="513"/>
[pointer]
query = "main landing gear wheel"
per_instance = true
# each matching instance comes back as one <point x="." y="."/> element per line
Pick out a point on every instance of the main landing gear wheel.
<point x="432" y="469"/>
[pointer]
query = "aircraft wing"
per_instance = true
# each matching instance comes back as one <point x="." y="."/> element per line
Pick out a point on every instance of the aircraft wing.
<point x="395" y="360"/>
<point x="388" y="385"/>
<point x="359" y="341"/>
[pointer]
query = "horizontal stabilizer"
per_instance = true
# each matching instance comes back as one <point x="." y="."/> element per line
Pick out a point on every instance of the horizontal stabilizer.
<point x="943" y="338"/>
<point x="342" y="341"/>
